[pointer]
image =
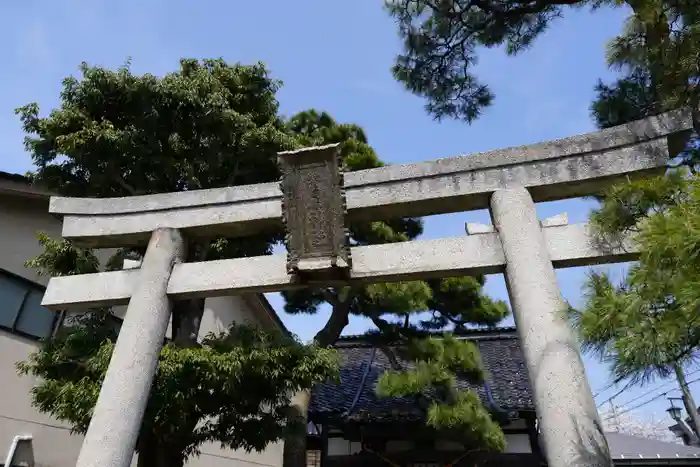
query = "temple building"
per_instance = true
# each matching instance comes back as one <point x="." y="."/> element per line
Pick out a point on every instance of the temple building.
<point x="350" y="426"/>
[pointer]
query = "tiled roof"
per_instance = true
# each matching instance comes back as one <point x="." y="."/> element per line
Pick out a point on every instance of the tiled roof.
<point x="14" y="177"/>
<point x="354" y="397"/>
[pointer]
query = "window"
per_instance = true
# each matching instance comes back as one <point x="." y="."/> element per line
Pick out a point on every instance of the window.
<point x="313" y="458"/>
<point x="20" y="307"/>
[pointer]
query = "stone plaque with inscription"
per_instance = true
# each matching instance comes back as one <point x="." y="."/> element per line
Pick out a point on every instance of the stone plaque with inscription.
<point x="313" y="209"/>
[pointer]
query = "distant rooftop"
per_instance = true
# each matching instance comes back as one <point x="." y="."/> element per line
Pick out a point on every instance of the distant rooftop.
<point x="13" y="177"/>
<point x="624" y="446"/>
<point x="354" y="398"/>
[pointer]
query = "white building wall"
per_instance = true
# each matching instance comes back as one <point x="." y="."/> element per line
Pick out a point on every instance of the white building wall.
<point x="20" y="220"/>
<point x="219" y="313"/>
<point x="53" y="445"/>
<point x="516" y="444"/>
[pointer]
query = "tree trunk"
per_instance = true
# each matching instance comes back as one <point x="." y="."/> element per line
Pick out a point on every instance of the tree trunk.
<point x="688" y="400"/>
<point x="147" y="451"/>
<point x="186" y="321"/>
<point x="187" y="314"/>
<point x="294" y="454"/>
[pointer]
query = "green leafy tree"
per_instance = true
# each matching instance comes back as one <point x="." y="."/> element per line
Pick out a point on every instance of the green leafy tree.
<point x="210" y="124"/>
<point x="231" y="389"/>
<point x="207" y="125"/>
<point x="396" y="309"/>
<point x="441" y="40"/>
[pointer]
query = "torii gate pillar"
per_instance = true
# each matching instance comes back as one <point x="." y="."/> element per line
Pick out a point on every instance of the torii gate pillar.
<point x="567" y="415"/>
<point x="116" y="421"/>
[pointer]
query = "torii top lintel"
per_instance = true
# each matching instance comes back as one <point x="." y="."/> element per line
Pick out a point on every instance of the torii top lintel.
<point x="557" y="169"/>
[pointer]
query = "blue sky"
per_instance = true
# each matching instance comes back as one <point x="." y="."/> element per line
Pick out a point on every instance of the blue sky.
<point x="333" y="56"/>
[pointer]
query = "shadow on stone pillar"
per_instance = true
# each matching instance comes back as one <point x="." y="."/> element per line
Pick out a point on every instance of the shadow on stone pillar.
<point x="571" y="431"/>
<point x="116" y="421"/>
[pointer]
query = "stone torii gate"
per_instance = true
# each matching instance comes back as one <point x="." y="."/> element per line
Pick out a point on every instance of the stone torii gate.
<point x="315" y="203"/>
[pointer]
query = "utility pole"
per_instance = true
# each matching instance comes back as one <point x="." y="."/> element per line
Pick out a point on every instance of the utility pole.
<point x="614" y="417"/>
<point x="688" y="400"/>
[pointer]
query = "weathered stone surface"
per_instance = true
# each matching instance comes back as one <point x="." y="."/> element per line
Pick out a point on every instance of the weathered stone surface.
<point x="313" y="212"/>
<point x="554" y="221"/>
<point x="475" y="228"/>
<point x="115" y="424"/>
<point x="568" y="246"/>
<point x="570" y="167"/>
<point x="569" y="421"/>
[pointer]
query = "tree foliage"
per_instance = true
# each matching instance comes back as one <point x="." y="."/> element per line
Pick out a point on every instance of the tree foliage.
<point x="403" y="311"/>
<point x="646" y="326"/>
<point x="210" y="124"/>
<point x="442" y="38"/>
<point x="232" y="389"/>
<point x="437" y="364"/>
<point x="658" y="54"/>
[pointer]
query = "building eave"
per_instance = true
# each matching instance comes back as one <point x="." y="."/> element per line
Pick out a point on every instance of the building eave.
<point x="260" y="303"/>
<point x="20" y="186"/>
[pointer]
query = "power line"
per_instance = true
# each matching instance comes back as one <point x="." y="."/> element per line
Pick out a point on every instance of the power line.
<point x="658" y="396"/>
<point x="613" y="397"/>
<point x="24" y="420"/>
<point x="659" y="387"/>
<point x="602" y="390"/>
<point x="617" y="394"/>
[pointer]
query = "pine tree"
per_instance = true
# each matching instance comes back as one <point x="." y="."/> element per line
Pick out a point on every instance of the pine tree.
<point x="646" y="326"/>
<point x="442" y="38"/>
<point x="394" y="309"/>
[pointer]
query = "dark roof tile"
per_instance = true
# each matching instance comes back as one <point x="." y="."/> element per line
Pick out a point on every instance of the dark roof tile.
<point x="351" y="398"/>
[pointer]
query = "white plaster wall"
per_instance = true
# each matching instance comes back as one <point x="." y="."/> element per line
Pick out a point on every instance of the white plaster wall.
<point x="53" y="445"/>
<point x="518" y="444"/>
<point x="515" y="444"/>
<point x="219" y="313"/>
<point x="20" y="220"/>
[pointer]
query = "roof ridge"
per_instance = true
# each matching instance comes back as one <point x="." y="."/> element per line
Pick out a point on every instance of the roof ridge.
<point x="357" y="344"/>
<point x="475" y="332"/>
